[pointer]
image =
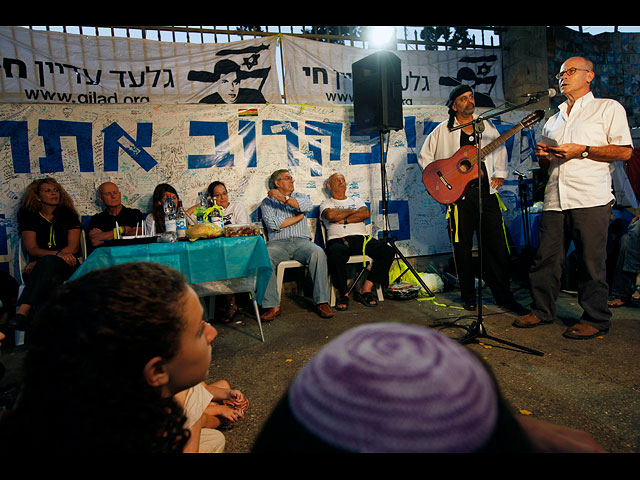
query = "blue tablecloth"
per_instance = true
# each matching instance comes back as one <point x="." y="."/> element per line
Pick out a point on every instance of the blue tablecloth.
<point x="202" y="261"/>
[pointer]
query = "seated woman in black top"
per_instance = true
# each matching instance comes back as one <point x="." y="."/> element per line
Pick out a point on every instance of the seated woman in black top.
<point x="50" y="230"/>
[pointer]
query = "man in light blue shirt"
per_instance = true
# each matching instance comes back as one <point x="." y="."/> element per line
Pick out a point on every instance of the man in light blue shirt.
<point x="284" y="216"/>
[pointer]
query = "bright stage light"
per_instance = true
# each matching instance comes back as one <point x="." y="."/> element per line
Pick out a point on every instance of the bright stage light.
<point x="380" y="36"/>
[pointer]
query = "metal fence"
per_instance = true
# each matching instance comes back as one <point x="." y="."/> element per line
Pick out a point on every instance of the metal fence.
<point x="406" y="37"/>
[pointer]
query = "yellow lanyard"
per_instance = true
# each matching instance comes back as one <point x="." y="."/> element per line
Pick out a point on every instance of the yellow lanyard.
<point x="503" y="207"/>
<point x="455" y="220"/>
<point x="52" y="234"/>
<point x="367" y="238"/>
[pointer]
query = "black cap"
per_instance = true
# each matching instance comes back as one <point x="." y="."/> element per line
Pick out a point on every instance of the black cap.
<point x="456" y="92"/>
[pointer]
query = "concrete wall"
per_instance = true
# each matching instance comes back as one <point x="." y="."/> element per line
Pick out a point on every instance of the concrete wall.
<point x="524" y="64"/>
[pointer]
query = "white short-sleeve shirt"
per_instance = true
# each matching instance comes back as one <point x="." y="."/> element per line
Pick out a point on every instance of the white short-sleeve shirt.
<point x="337" y="230"/>
<point x="581" y="182"/>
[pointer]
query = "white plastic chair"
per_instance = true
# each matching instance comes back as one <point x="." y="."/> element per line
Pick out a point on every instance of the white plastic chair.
<point x="23" y="262"/>
<point x="282" y="266"/>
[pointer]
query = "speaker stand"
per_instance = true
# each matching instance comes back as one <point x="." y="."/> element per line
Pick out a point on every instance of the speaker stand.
<point x="386" y="234"/>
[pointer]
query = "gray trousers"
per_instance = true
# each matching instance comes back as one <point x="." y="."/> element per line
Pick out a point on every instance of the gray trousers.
<point x="307" y="253"/>
<point x="587" y="228"/>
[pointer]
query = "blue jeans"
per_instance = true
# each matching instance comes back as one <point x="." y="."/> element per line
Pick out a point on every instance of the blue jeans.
<point x="306" y="252"/>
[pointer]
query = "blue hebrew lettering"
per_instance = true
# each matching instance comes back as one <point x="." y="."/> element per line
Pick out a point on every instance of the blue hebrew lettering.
<point x="51" y="131"/>
<point x="429" y="127"/>
<point x="333" y="130"/>
<point x="527" y="143"/>
<point x="401" y="208"/>
<point x="4" y="249"/>
<point x="410" y="132"/>
<point x="18" y="133"/>
<point x="116" y="138"/>
<point x="364" y="158"/>
<point x="290" y="131"/>
<point x="503" y="127"/>
<point x="220" y="132"/>
<point x="247" y="130"/>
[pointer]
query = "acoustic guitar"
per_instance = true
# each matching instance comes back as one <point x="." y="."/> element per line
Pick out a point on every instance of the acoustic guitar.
<point x="447" y="179"/>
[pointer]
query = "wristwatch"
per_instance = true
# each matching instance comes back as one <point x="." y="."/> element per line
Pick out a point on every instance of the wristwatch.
<point x="286" y="198"/>
<point x="585" y="154"/>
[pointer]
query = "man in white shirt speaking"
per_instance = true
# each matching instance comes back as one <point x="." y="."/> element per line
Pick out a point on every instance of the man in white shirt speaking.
<point x="344" y="218"/>
<point x="578" y="145"/>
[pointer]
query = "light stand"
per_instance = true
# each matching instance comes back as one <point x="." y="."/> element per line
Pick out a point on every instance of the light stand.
<point x="477" y="330"/>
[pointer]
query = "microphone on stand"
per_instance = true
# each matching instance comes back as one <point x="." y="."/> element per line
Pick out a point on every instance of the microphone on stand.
<point x="551" y="92"/>
<point x="519" y="174"/>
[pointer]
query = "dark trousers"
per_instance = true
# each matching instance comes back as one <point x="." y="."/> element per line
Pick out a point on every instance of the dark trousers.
<point x="495" y="256"/>
<point x="587" y="228"/>
<point x="340" y="249"/>
<point x="48" y="274"/>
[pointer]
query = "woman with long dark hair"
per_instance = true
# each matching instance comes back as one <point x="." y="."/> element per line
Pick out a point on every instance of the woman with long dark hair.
<point x="109" y="352"/>
<point x="154" y="223"/>
<point x="50" y="228"/>
<point x="234" y="214"/>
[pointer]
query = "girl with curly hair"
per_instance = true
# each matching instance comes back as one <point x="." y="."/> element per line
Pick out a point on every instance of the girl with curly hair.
<point x="50" y="229"/>
<point x="109" y="352"/>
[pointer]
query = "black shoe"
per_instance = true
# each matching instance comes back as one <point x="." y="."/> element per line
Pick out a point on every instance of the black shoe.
<point x="470" y="306"/>
<point x="512" y="306"/>
<point x="18" y="322"/>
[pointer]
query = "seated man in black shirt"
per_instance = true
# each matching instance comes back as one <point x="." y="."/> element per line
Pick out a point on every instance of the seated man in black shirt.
<point x="102" y="225"/>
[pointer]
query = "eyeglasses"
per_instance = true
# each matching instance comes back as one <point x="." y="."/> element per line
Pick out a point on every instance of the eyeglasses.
<point x="569" y="72"/>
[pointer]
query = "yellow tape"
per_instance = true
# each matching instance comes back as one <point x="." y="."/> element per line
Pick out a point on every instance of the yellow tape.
<point x="503" y="207"/>
<point x="303" y="105"/>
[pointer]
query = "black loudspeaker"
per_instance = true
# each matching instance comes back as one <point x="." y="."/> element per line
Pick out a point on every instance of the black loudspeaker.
<point x="377" y="93"/>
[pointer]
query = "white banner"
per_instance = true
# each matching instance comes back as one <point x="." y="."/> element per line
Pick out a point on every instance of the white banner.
<point x="189" y="146"/>
<point x="51" y="67"/>
<point x="319" y="73"/>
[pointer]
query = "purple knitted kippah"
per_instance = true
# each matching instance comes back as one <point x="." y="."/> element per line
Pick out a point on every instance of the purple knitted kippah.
<point x="393" y="387"/>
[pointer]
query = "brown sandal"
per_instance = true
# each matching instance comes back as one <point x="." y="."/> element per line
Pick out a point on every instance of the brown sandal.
<point x="616" y="303"/>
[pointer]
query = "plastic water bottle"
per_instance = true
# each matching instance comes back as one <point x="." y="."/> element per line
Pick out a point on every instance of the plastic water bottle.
<point x="201" y="207"/>
<point x="181" y="221"/>
<point x="169" y="214"/>
<point x="216" y="216"/>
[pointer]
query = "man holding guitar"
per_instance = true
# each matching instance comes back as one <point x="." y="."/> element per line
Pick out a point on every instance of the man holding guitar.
<point x="463" y="208"/>
<point x="579" y="143"/>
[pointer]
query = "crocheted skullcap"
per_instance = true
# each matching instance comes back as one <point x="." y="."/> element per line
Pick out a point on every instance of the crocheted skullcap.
<point x="393" y="387"/>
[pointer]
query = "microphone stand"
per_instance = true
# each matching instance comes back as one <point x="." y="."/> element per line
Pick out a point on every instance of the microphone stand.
<point x="524" y="211"/>
<point x="477" y="330"/>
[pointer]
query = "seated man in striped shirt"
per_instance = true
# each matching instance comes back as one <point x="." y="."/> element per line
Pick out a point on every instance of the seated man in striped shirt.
<point x="284" y="216"/>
